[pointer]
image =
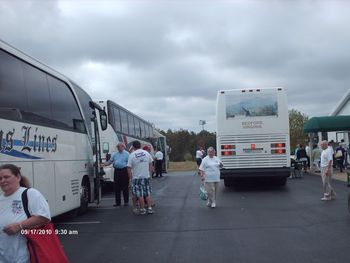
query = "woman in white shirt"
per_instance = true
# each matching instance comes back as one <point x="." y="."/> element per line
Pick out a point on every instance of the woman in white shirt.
<point x="13" y="219"/>
<point x="210" y="173"/>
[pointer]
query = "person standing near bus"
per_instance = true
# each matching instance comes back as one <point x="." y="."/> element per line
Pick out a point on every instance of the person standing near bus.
<point x="139" y="169"/>
<point x="210" y="174"/>
<point x="13" y="219"/>
<point x="199" y="157"/>
<point x="327" y="171"/>
<point x="159" y="163"/>
<point x="119" y="160"/>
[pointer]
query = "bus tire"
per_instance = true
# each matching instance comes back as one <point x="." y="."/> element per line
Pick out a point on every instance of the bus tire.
<point x="228" y="183"/>
<point x="84" y="197"/>
<point x="282" y="181"/>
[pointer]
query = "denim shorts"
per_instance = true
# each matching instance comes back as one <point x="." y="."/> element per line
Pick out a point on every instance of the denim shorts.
<point x="141" y="187"/>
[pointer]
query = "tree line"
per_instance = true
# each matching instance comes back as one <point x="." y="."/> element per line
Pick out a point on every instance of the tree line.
<point x="184" y="143"/>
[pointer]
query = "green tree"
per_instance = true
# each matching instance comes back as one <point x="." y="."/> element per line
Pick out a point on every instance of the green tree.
<point x="184" y="144"/>
<point x="296" y="128"/>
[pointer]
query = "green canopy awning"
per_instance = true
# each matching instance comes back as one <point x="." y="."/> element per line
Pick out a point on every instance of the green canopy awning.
<point x="327" y="124"/>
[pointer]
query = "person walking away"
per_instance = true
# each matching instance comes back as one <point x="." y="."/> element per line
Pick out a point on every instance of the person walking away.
<point x="159" y="163"/>
<point x="119" y="159"/>
<point x="210" y="174"/>
<point x="327" y="171"/>
<point x="316" y="157"/>
<point x="339" y="157"/>
<point x="332" y="146"/>
<point x="199" y="156"/>
<point x="308" y="154"/>
<point x="13" y="219"/>
<point x="346" y="152"/>
<point x="139" y="169"/>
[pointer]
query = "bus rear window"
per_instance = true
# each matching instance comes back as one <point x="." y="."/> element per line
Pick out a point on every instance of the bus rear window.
<point x="251" y="105"/>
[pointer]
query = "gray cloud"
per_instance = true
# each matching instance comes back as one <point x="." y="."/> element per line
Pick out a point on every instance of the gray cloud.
<point x="166" y="60"/>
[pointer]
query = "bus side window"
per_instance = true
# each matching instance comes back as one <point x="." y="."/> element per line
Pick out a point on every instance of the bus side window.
<point x="38" y="97"/>
<point x="64" y="107"/>
<point x="13" y="99"/>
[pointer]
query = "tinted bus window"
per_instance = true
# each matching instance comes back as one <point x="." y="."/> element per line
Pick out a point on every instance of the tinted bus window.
<point x="84" y="100"/>
<point x="131" y="125"/>
<point x="137" y="127"/>
<point x="38" y="97"/>
<point x="13" y="98"/>
<point x="124" y="121"/>
<point x="143" y="129"/>
<point x="116" y="122"/>
<point x="64" y="107"/>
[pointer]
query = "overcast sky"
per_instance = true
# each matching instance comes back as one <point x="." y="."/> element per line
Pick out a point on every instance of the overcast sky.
<point x="166" y="60"/>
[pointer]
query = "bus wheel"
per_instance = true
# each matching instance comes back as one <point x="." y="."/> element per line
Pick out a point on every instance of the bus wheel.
<point x="84" y="197"/>
<point x="282" y="181"/>
<point x="228" y="183"/>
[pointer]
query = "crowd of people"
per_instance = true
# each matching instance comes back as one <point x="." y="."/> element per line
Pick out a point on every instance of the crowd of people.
<point x="340" y="154"/>
<point x="325" y="159"/>
<point x="133" y="170"/>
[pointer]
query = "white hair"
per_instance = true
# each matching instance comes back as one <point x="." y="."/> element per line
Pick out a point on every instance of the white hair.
<point x="121" y="143"/>
<point x="211" y="148"/>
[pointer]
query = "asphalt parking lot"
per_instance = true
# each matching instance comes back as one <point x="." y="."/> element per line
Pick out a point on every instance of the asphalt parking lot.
<point x="252" y="223"/>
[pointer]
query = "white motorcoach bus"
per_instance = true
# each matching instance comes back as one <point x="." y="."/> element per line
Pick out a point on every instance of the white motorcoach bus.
<point x="48" y="128"/>
<point x="253" y="134"/>
<point x="124" y="126"/>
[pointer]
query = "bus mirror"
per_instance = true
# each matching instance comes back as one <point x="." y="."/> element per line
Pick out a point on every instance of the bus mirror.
<point x="103" y="120"/>
<point x="105" y="147"/>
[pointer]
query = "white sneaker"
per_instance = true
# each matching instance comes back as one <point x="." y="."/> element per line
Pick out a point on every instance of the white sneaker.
<point x="208" y="204"/>
<point x="326" y="198"/>
<point x="213" y="205"/>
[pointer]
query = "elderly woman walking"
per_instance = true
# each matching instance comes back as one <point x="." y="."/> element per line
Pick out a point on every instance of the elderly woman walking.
<point x="210" y="173"/>
<point x="13" y="219"/>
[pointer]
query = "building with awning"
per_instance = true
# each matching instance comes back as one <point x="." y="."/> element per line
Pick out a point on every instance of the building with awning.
<point x="335" y="127"/>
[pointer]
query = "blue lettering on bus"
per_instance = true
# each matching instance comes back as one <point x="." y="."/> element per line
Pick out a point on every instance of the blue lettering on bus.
<point x="39" y="143"/>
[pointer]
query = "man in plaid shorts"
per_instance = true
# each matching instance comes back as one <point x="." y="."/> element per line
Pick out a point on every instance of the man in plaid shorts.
<point x="139" y="169"/>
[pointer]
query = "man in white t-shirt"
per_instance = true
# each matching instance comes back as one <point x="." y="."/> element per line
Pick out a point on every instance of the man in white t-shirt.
<point x="327" y="171"/>
<point x="159" y="163"/>
<point x="139" y="169"/>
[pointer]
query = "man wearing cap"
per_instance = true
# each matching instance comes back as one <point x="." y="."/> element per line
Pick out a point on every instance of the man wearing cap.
<point x="119" y="159"/>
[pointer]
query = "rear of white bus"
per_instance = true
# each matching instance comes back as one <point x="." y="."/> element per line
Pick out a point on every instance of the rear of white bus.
<point x="253" y="134"/>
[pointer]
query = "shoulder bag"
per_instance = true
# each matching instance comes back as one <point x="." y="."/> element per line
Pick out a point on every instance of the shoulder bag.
<point x="43" y="243"/>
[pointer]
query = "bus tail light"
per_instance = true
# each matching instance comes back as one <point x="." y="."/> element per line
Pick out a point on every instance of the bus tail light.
<point x="228" y="153"/>
<point x="278" y="145"/>
<point x="228" y="147"/>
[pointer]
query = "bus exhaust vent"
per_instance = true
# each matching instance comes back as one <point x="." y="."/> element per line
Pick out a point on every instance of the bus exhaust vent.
<point x="75" y="186"/>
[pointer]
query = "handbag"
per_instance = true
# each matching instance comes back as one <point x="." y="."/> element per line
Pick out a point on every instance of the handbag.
<point x="203" y="194"/>
<point x="43" y="243"/>
<point x="338" y="154"/>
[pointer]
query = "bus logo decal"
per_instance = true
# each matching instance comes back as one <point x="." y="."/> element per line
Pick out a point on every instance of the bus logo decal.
<point x="9" y="145"/>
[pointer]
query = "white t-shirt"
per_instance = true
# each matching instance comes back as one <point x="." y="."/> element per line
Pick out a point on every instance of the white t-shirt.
<point x="14" y="248"/>
<point x="326" y="156"/>
<point x="158" y="156"/>
<point x="199" y="154"/>
<point x="139" y="161"/>
<point x="211" y="168"/>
